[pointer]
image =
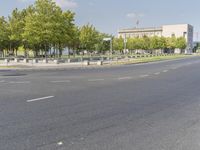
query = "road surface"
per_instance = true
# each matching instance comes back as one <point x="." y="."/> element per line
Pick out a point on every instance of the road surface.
<point x="153" y="106"/>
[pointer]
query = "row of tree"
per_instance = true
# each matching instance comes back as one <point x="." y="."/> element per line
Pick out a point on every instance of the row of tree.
<point x="44" y="28"/>
<point x="150" y="43"/>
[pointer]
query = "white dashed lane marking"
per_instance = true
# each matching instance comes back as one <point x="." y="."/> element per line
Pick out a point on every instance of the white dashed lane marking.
<point x="95" y="80"/>
<point x="143" y="76"/>
<point x="165" y="70"/>
<point x="124" y="78"/>
<point x="39" y="99"/>
<point x="157" y="73"/>
<point x="19" y="82"/>
<point x="61" y="81"/>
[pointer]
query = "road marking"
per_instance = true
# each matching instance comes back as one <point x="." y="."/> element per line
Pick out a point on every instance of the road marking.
<point x="39" y="99"/>
<point x="18" y="82"/>
<point x="94" y="80"/>
<point x="143" y="76"/>
<point x="157" y="73"/>
<point x="165" y="70"/>
<point x="60" y="143"/>
<point x="124" y="78"/>
<point x="61" y="81"/>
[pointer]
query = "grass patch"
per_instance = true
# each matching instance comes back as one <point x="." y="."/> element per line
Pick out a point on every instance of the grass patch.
<point x="152" y="59"/>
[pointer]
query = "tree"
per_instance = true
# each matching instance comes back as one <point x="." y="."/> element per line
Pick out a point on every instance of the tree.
<point x="135" y="43"/>
<point x="171" y="43"/>
<point x="4" y="33"/>
<point x="16" y="25"/>
<point x="181" y="43"/>
<point x="88" y="37"/>
<point x="118" y="44"/>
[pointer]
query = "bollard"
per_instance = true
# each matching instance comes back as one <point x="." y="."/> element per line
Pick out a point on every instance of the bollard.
<point x="16" y="60"/>
<point x="35" y="61"/>
<point x="45" y="61"/>
<point x="86" y="63"/>
<point x="68" y="60"/>
<point x="56" y="61"/>
<point x="6" y="60"/>
<point x="25" y="60"/>
<point x="100" y="63"/>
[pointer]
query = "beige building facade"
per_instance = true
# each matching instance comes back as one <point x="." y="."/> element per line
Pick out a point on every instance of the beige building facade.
<point x="178" y="30"/>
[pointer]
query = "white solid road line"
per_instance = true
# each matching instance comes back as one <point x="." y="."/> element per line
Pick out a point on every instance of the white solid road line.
<point x="62" y="81"/>
<point x="124" y="78"/>
<point x="93" y="80"/>
<point x="19" y="82"/>
<point x="39" y="99"/>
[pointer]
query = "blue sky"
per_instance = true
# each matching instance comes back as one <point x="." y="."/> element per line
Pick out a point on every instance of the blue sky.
<point x="110" y="15"/>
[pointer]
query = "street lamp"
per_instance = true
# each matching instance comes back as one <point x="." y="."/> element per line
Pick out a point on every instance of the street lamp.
<point x="111" y="47"/>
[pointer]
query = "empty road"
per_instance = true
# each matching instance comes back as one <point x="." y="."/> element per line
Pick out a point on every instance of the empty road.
<point x="153" y="106"/>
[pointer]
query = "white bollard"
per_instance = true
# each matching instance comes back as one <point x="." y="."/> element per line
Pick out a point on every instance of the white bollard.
<point x="56" y="61"/>
<point x="86" y="63"/>
<point x="45" y="61"/>
<point x="99" y="63"/>
<point x="25" y="60"/>
<point x="6" y="60"/>
<point x="16" y="60"/>
<point x="35" y="61"/>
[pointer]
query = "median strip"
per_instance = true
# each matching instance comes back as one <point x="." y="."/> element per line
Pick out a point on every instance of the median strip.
<point x="39" y="99"/>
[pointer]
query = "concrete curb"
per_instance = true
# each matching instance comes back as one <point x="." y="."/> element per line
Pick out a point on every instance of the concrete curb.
<point x="82" y="65"/>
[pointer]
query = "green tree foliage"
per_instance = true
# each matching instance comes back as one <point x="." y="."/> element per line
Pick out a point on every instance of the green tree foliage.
<point x="16" y="25"/>
<point x="118" y="44"/>
<point x="153" y="43"/>
<point x="4" y="34"/>
<point x="89" y="37"/>
<point x="181" y="43"/>
<point x="44" y="26"/>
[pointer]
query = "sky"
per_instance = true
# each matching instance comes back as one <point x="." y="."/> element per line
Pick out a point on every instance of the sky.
<point x="111" y="15"/>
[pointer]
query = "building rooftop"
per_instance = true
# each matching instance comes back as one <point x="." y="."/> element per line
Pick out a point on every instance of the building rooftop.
<point x="141" y="29"/>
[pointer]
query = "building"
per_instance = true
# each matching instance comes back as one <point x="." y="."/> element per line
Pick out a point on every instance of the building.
<point x="179" y="30"/>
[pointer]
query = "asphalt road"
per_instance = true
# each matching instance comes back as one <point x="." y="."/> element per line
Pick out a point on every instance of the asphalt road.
<point x="152" y="106"/>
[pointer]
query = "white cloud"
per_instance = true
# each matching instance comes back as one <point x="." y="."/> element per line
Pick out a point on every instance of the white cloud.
<point x="134" y="15"/>
<point x="66" y="3"/>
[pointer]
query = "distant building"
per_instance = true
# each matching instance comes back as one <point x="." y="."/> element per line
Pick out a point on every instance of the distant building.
<point x="179" y="30"/>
